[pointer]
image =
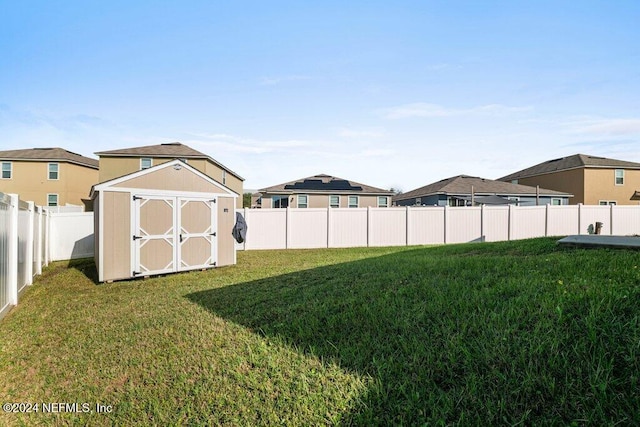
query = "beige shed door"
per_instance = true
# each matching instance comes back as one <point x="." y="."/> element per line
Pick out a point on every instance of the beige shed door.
<point x="196" y="240"/>
<point x="173" y="234"/>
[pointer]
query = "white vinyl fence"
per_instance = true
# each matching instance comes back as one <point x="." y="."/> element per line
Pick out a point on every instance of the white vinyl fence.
<point x="23" y="245"/>
<point x="334" y="228"/>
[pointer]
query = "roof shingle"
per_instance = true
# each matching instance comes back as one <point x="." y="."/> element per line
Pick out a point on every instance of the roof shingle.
<point x="461" y="185"/>
<point x="47" y="155"/>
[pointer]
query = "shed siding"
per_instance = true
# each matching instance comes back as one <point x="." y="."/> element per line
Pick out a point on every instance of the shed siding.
<point x="226" y="221"/>
<point x="117" y="225"/>
<point x="169" y="179"/>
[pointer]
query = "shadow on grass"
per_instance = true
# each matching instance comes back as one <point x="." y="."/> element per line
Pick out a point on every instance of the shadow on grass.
<point x="446" y="338"/>
<point x="87" y="267"/>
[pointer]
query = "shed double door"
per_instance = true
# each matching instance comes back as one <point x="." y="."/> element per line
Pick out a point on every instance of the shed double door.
<point x="173" y="234"/>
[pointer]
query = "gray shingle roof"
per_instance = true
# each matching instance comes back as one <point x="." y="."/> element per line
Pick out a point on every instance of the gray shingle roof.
<point x="172" y="150"/>
<point x="570" y="162"/>
<point x="47" y="155"/>
<point x="323" y="183"/>
<point x="461" y="185"/>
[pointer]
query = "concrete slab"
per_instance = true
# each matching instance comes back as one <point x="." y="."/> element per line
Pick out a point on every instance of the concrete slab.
<point x="596" y="240"/>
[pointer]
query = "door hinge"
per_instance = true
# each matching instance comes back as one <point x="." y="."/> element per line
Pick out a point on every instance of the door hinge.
<point x="213" y="201"/>
<point x="136" y="273"/>
<point x="136" y="198"/>
<point x="213" y="234"/>
<point x="136" y="238"/>
<point x="214" y="263"/>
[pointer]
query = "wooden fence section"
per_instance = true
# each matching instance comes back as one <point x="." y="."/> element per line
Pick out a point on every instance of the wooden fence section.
<point x="335" y="228"/>
<point x="23" y="247"/>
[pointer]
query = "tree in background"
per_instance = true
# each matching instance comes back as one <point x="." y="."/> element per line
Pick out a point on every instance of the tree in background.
<point x="246" y="200"/>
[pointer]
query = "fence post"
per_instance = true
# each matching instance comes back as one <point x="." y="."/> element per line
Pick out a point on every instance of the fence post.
<point x="546" y="220"/>
<point x="482" y="239"/>
<point x="368" y="226"/>
<point x="12" y="249"/>
<point x="38" y="240"/>
<point x="579" y="218"/>
<point x="29" y="244"/>
<point x="329" y="225"/>
<point x="408" y="227"/>
<point x="509" y="222"/>
<point x="611" y="220"/>
<point x="446" y="209"/>
<point x="287" y="230"/>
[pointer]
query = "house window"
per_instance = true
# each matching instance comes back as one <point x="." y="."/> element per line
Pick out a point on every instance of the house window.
<point x="6" y="170"/>
<point x="303" y="201"/>
<point x="418" y="201"/>
<point x="52" y="200"/>
<point x="224" y="177"/>
<point x="353" y="201"/>
<point x="53" y="171"/>
<point x="556" y="202"/>
<point x="383" y="202"/>
<point x="334" y="201"/>
<point x="607" y="202"/>
<point x="454" y="201"/>
<point x="280" y="201"/>
<point x="145" y="163"/>
<point x="619" y="176"/>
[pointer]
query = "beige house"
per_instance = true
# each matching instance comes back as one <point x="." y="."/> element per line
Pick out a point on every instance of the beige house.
<point x="323" y="191"/>
<point x="48" y="176"/>
<point x="592" y="180"/>
<point x="116" y="163"/>
<point x="164" y="219"/>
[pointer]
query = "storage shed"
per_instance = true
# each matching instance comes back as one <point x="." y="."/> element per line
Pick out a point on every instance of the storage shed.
<point x="164" y="219"/>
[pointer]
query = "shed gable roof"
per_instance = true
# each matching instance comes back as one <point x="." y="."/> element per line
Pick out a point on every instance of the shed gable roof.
<point x="172" y="150"/>
<point x="323" y="183"/>
<point x="461" y="185"/>
<point x="570" y="162"/>
<point x="174" y="176"/>
<point x="47" y="155"/>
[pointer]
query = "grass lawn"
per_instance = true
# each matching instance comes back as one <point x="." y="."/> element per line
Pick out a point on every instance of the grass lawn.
<point x="479" y="334"/>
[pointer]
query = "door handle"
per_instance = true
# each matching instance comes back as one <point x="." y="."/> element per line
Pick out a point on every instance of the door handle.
<point x="181" y="238"/>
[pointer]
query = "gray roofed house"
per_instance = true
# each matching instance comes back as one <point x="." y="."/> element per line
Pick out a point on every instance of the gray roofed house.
<point x="592" y="180"/>
<point x="48" y="176"/>
<point x="321" y="191"/>
<point x="463" y="190"/>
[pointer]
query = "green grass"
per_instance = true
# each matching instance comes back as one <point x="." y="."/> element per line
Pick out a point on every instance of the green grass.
<point x="493" y="334"/>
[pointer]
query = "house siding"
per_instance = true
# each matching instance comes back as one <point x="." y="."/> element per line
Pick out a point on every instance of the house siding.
<point x="600" y="185"/>
<point x="568" y="181"/>
<point x="322" y="200"/>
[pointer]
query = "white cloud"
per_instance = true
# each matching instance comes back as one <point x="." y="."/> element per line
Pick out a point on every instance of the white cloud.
<point x="423" y="109"/>
<point x="606" y="126"/>
<point x="357" y="133"/>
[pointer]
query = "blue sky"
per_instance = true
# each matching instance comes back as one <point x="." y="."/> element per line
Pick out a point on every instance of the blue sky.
<point x="392" y="94"/>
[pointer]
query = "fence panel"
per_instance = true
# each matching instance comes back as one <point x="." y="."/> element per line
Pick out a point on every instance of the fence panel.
<point x="426" y="226"/>
<point x="349" y="228"/>
<point x="23" y="246"/>
<point x="589" y="215"/>
<point x="266" y="229"/>
<point x="388" y="227"/>
<point x="307" y="228"/>
<point x="528" y="222"/>
<point x="463" y="224"/>
<point x="495" y="223"/>
<point x="625" y="220"/>
<point x="562" y="220"/>
<point x="71" y="235"/>
<point x="5" y="227"/>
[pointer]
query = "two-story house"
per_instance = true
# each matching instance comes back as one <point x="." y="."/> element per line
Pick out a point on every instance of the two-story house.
<point x="48" y="176"/>
<point x="117" y="163"/>
<point x="592" y="180"/>
<point x="323" y="191"/>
